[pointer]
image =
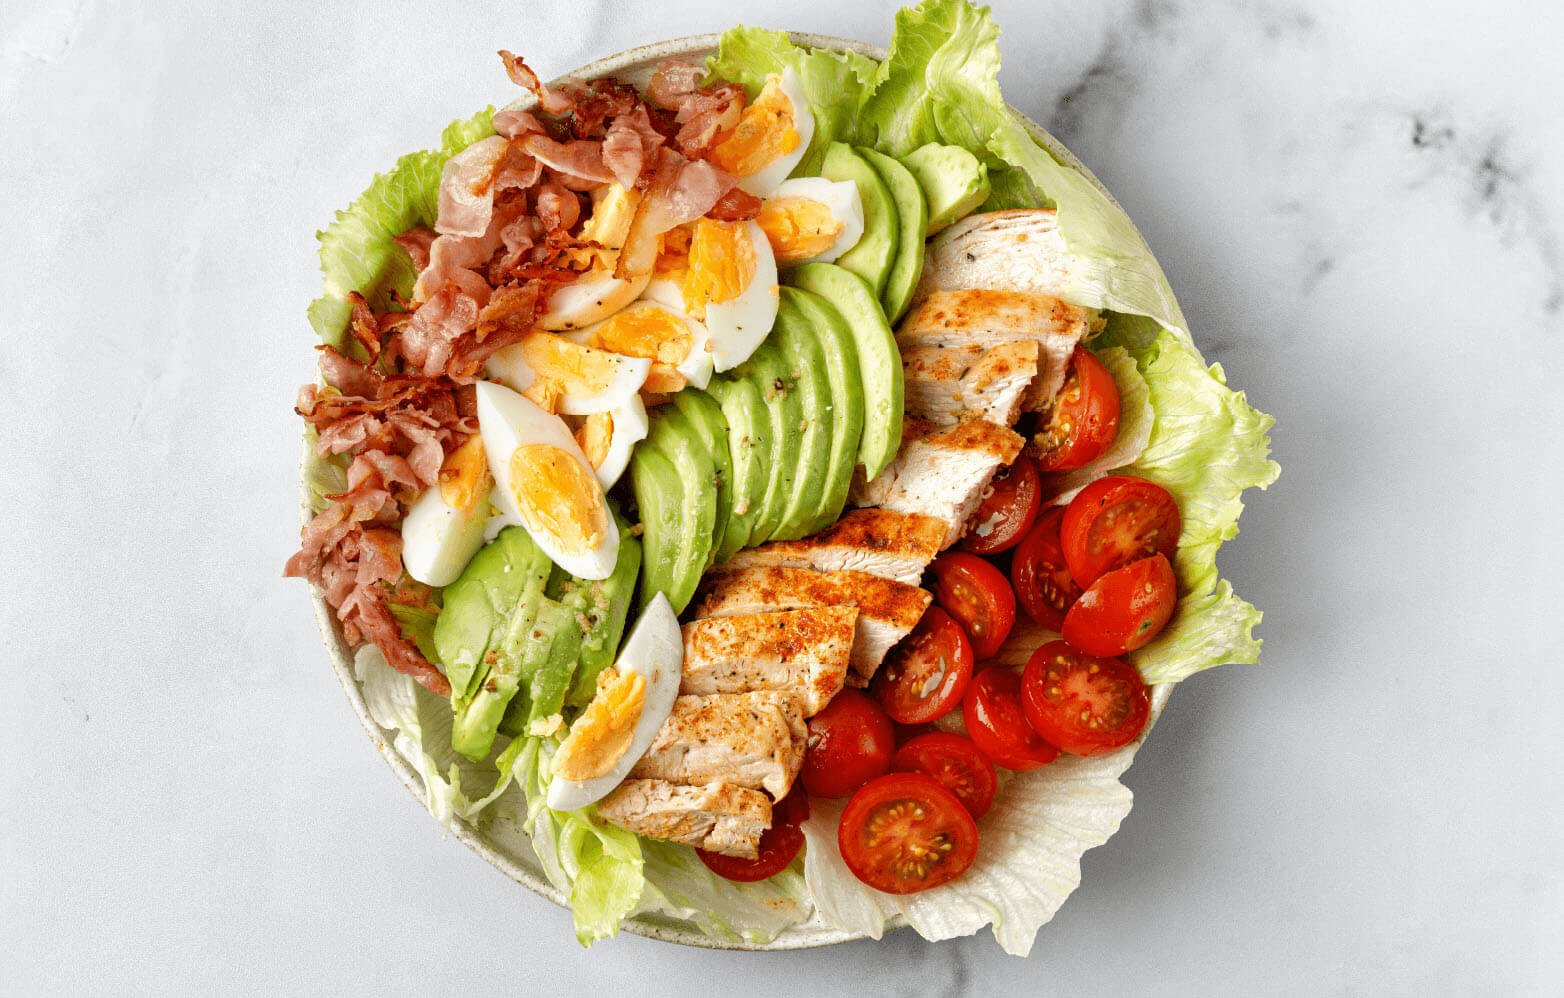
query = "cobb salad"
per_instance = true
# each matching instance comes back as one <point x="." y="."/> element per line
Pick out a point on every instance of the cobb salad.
<point x="778" y="486"/>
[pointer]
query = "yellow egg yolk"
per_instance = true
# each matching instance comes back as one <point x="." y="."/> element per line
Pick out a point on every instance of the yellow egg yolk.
<point x="765" y="132"/>
<point x="573" y="368"/>
<point x="645" y="331"/>
<point x="464" y="477"/>
<point x="798" y="228"/>
<point x="601" y="735"/>
<point x="595" y="436"/>
<point x="673" y="254"/>
<point x="557" y="496"/>
<point x="721" y="265"/>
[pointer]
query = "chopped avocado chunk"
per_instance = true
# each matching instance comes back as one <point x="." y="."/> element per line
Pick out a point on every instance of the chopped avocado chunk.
<point x="806" y="360"/>
<point x="875" y="253"/>
<point x="749" y="449"/>
<point x="846" y="387"/>
<point x="954" y="182"/>
<point x="912" y="217"/>
<point x="879" y="360"/>
<point x="706" y="419"/>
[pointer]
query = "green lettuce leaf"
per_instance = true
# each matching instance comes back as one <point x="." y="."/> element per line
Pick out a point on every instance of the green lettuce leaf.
<point x="357" y="252"/>
<point x="834" y="82"/>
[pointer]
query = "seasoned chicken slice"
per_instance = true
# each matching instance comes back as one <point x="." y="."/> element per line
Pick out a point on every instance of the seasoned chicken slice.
<point x="718" y="817"/>
<point x="887" y="609"/>
<point x="804" y="652"/>
<point x="941" y="472"/>
<point x="881" y="542"/>
<point x="753" y="740"/>
<point x="947" y="385"/>
<point x="988" y="318"/>
<point x="1015" y="250"/>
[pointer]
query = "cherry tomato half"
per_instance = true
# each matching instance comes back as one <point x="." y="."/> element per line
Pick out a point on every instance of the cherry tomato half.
<point x="997" y="724"/>
<point x="778" y="844"/>
<point x="1083" y="420"/>
<point x="1114" y="521"/>
<point x="980" y="598"/>
<point x="904" y="833"/>
<point x="1123" y="609"/>
<point x="1007" y="511"/>
<point x="925" y="676"/>
<point x="1044" y="587"/>
<point x="1084" y="705"/>
<point x="850" y="743"/>
<point x="955" y="763"/>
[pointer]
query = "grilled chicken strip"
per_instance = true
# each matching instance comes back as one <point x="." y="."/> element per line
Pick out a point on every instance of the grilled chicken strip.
<point x="947" y="385"/>
<point x="941" y="472"/>
<point x="753" y="740"/>
<point x="887" y="609"/>
<point x="718" y="817"/>
<point x="988" y="318"/>
<point x="1015" y="250"/>
<point x="804" y="652"/>
<point x="880" y="542"/>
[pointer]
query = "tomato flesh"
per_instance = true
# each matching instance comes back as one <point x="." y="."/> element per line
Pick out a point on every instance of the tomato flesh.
<point x="925" y="675"/>
<point x="850" y="743"/>
<point x="1114" y="521"/>
<point x="1045" y="589"/>
<point x="979" y="597"/>
<point x="955" y="763"/>
<point x="997" y="722"/>
<point x="1008" y="509"/>
<point x="1083" y="419"/>
<point x="904" y="833"/>
<point x="1084" y="704"/>
<point x="779" y="844"/>
<point x="1123" y="609"/>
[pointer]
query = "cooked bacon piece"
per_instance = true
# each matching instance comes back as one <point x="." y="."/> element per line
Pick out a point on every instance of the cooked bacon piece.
<point x="513" y="124"/>
<point x="557" y="207"/>
<point x="375" y="622"/>
<point x="681" y="190"/>
<point x="549" y="99"/>
<point x="673" y="81"/>
<point x="579" y="161"/>
<point x="737" y="205"/>
<point x="428" y="341"/>
<point x="630" y="144"/>
<point x="594" y="102"/>
<point x="706" y="114"/>
<point x="416" y="241"/>
<point x="466" y="201"/>
<point x="364" y="326"/>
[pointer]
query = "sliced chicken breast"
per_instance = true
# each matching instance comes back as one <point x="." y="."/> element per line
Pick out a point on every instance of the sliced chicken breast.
<point x="988" y="318"/>
<point x="1016" y="250"/>
<point x="941" y="472"/>
<point x="947" y="385"/>
<point x="753" y="740"/>
<point x="717" y="817"/>
<point x="887" y="609"/>
<point x="804" y="652"/>
<point x="880" y="542"/>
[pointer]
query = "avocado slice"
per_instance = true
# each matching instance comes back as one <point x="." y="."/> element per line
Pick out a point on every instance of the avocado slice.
<point x="873" y="255"/>
<point x="749" y="448"/>
<point x="659" y="495"/>
<point x="672" y="436"/>
<point x="912" y="216"/>
<point x="496" y="591"/>
<point x="879" y="360"/>
<point x="551" y="679"/>
<point x="773" y="376"/>
<point x="846" y="386"/>
<point x="954" y="181"/>
<point x="705" y="417"/>
<point x="806" y="360"/>
<point x="606" y="606"/>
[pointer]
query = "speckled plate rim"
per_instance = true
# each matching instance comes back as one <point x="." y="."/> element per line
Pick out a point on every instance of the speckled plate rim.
<point x="805" y="935"/>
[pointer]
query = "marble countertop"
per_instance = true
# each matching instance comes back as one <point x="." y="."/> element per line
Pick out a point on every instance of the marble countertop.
<point x="1359" y="206"/>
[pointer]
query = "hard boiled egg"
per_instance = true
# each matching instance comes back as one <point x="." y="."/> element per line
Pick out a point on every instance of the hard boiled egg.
<point x="812" y="219"/>
<point x="445" y="527"/>
<point x="597" y="293"/>
<point x="633" y="699"/>
<point x="658" y="328"/>
<point x="771" y="137"/>
<point x="564" y="376"/>
<point x="607" y="438"/>
<point x="542" y="479"/>
<point x="730" y="283"/>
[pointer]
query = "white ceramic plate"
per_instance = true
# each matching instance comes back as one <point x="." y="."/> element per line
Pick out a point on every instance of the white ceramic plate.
<point x="634" y="65"/>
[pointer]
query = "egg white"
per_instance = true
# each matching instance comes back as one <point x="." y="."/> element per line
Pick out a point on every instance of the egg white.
<point x="841" y="199"/>
<point x="509" y="365"/>
<point x="438" y="540"/>
<point x="592" y="297"/>
<point x="506" y="421"/>
<point x="740" y="325"/>
<point x="655" y="649"/>
<point x="631" y="426"/>
<point x="669" y="296"/>
<point x="765" y="180"/>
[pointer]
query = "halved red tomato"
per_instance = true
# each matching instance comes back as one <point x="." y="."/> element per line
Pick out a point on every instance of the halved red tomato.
<point x="1083" y="420"/>
<point x="925" y="676"/>
<point x="904" y="833"/>
<point x="1123" y="609"/>
<point x="1083" y="704"/>
<point x="979" y="597"/>
<point x="997" y="723"/>
<point x="1044" y="587"/>
<point x="778" y="844"/>
<point x="850" y="742"/>
<point x="1007" y="511"/>
<point x="956" y="763"/>
<point x="1114" y="521"/>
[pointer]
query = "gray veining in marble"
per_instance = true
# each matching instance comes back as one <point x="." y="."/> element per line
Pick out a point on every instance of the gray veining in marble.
<point x="1361" y="207"/>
